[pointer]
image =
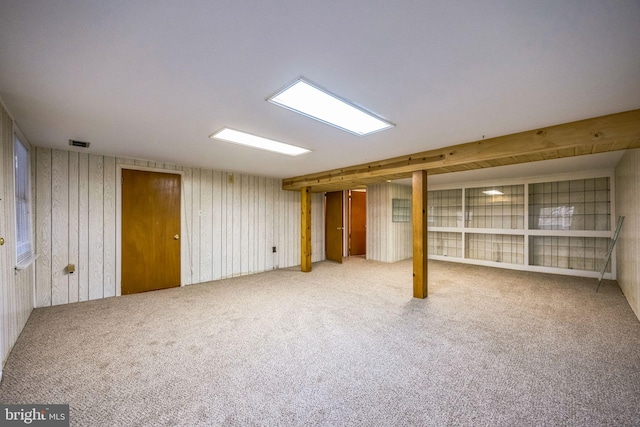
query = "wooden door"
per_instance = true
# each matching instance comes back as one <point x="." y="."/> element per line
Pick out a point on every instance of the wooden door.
<point x="333" y="226"/>
<point x="358" y="230"/>
<point x="150" y="231"/>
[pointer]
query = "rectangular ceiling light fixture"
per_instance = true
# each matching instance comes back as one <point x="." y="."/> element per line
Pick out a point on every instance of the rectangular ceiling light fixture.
<point x="312" y="101"/>
<point x="493" y="193"/>
<point x="242" y="138"/>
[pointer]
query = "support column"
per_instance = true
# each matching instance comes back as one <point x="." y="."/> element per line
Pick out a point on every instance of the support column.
<point x="305" y="234"/>
<point x="419" y="219"/>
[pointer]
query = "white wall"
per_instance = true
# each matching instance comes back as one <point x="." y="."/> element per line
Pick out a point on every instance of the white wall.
<point x="16" y="287"/>
<point x="628" y="245"/>
<point x="230" y="223"/>
<point x="387" y="241"/>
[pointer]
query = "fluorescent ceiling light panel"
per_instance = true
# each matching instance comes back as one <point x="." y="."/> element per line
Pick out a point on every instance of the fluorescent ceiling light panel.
<point x="493" y="193"/>
<point x="311" y="101"/>
<point x="253" y="141"/>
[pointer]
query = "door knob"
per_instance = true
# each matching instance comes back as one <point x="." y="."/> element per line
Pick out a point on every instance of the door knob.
<point x="339" y="228"/>
<point x="1" y="241"/>
<point x="176" y="237"/>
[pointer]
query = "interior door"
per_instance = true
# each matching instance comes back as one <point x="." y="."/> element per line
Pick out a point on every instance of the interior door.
<point x="358" y="231"/>
<point x="333" y="226"/>
<point x="150" y="231"/>
<point x="5" y="238"/>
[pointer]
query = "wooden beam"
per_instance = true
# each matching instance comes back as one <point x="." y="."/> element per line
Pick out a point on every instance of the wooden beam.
<point x="619" y="131"/>
<point x="420" y="249"/>
<point x="305" y="235"/>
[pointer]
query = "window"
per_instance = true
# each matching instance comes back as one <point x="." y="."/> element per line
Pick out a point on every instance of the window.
<point x="24" y="247"/>
<point x="401" y="210"/>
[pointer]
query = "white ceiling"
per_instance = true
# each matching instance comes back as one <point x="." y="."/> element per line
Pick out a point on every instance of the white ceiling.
<point x="153" y="79"/>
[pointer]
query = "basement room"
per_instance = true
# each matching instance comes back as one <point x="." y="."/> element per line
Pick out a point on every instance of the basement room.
<point x="319" y="214"/>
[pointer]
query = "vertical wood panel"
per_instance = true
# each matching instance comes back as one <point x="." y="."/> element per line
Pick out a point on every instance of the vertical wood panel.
<point x="196" y="211"/>
<point x="317" y="225"/>
<point x="288" y="231"/>
<point x="206" y="205"/>
<point x="243" y="216"/>
<point x="627" y="199"/>
<point x="257" y="242"/>
<point x="217" y="225"/>
<point x="96" y="226"/>
<point x="73" y="224"/>
<point x="294" y="208"/>
<point x="386" y="219"/>
<point x="252" y="220"/>
<point x="186" y="231"/>
<point x="59" y="233"/>
<point x="83" y="227"/>
<point x="43" y="228"/>
<point x="387" y="241"/>
<point x="280" y="220"/>
<point x="372" y="225"/>
<point x="261" y="243"/>
<point x="125" y="161"/>
<point x="16" y="287"/>
<point x="6" y="281"/>
<point x="224" y="225"/>
<point x="269" y="225"/>
<point x="229" y="227"/>
<point x="245" y="243"/>
<point x="109" y="225"/>
<point x="294" y="227"/>
<point x="237" y="224"/>
<point x="305" y="228"/>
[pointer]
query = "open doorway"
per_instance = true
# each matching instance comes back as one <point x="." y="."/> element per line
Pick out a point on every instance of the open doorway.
<point x="357" y="222"/>
<point x="345" y="224"/>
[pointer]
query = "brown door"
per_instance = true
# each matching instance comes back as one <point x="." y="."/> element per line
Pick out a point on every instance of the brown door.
<point x="333" y="226"/>
<point x="150" y="231"/>
<point x="358" y="231"/>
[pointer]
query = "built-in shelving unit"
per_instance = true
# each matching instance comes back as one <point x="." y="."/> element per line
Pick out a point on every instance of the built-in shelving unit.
<point x="560" y="224"/>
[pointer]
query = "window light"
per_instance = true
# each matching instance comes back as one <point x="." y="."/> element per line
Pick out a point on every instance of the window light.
<point x="493" y="193"/>
<point x="242" y="138"/>
<point x="311" y="101"/>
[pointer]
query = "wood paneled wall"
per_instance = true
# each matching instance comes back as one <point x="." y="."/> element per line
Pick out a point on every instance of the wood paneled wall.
<point x="16" y="287"/>
<point x="387" y="241"/>
<point x="230" y="223"/>
<point x="628" y="245"/>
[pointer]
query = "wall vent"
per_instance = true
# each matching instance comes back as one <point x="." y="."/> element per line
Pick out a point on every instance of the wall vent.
<point x="80" y="144"/>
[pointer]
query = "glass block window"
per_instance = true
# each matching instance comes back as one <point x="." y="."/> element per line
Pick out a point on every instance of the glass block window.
<point x="578" y="253"/>
<point x="581" y="204"/>
<point x="445" y="208"/>
<point x="446" y="244"/>
<point x="401" y="210"/>
<point x="495" y="247"/>
<point x="495" y="207"/>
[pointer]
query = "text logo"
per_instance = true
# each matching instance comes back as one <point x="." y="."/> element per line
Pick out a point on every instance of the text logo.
<point x="34" y="415"/>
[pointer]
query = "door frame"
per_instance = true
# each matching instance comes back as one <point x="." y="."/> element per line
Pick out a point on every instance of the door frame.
<point x="345" y="213"/>
<point x="183" y="229"/>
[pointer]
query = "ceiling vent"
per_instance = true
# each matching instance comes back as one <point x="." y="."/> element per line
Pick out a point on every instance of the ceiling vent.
<point x="80" y="144"/>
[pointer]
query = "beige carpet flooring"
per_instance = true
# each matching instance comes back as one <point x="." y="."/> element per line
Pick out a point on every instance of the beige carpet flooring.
<point x="342" y="345"/>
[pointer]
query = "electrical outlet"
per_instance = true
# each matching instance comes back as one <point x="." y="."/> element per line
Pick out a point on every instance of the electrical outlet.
<point x="273" y="249"/>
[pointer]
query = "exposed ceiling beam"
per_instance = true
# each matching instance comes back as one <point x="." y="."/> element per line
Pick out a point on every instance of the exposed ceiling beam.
<point x="613" y="132"/>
